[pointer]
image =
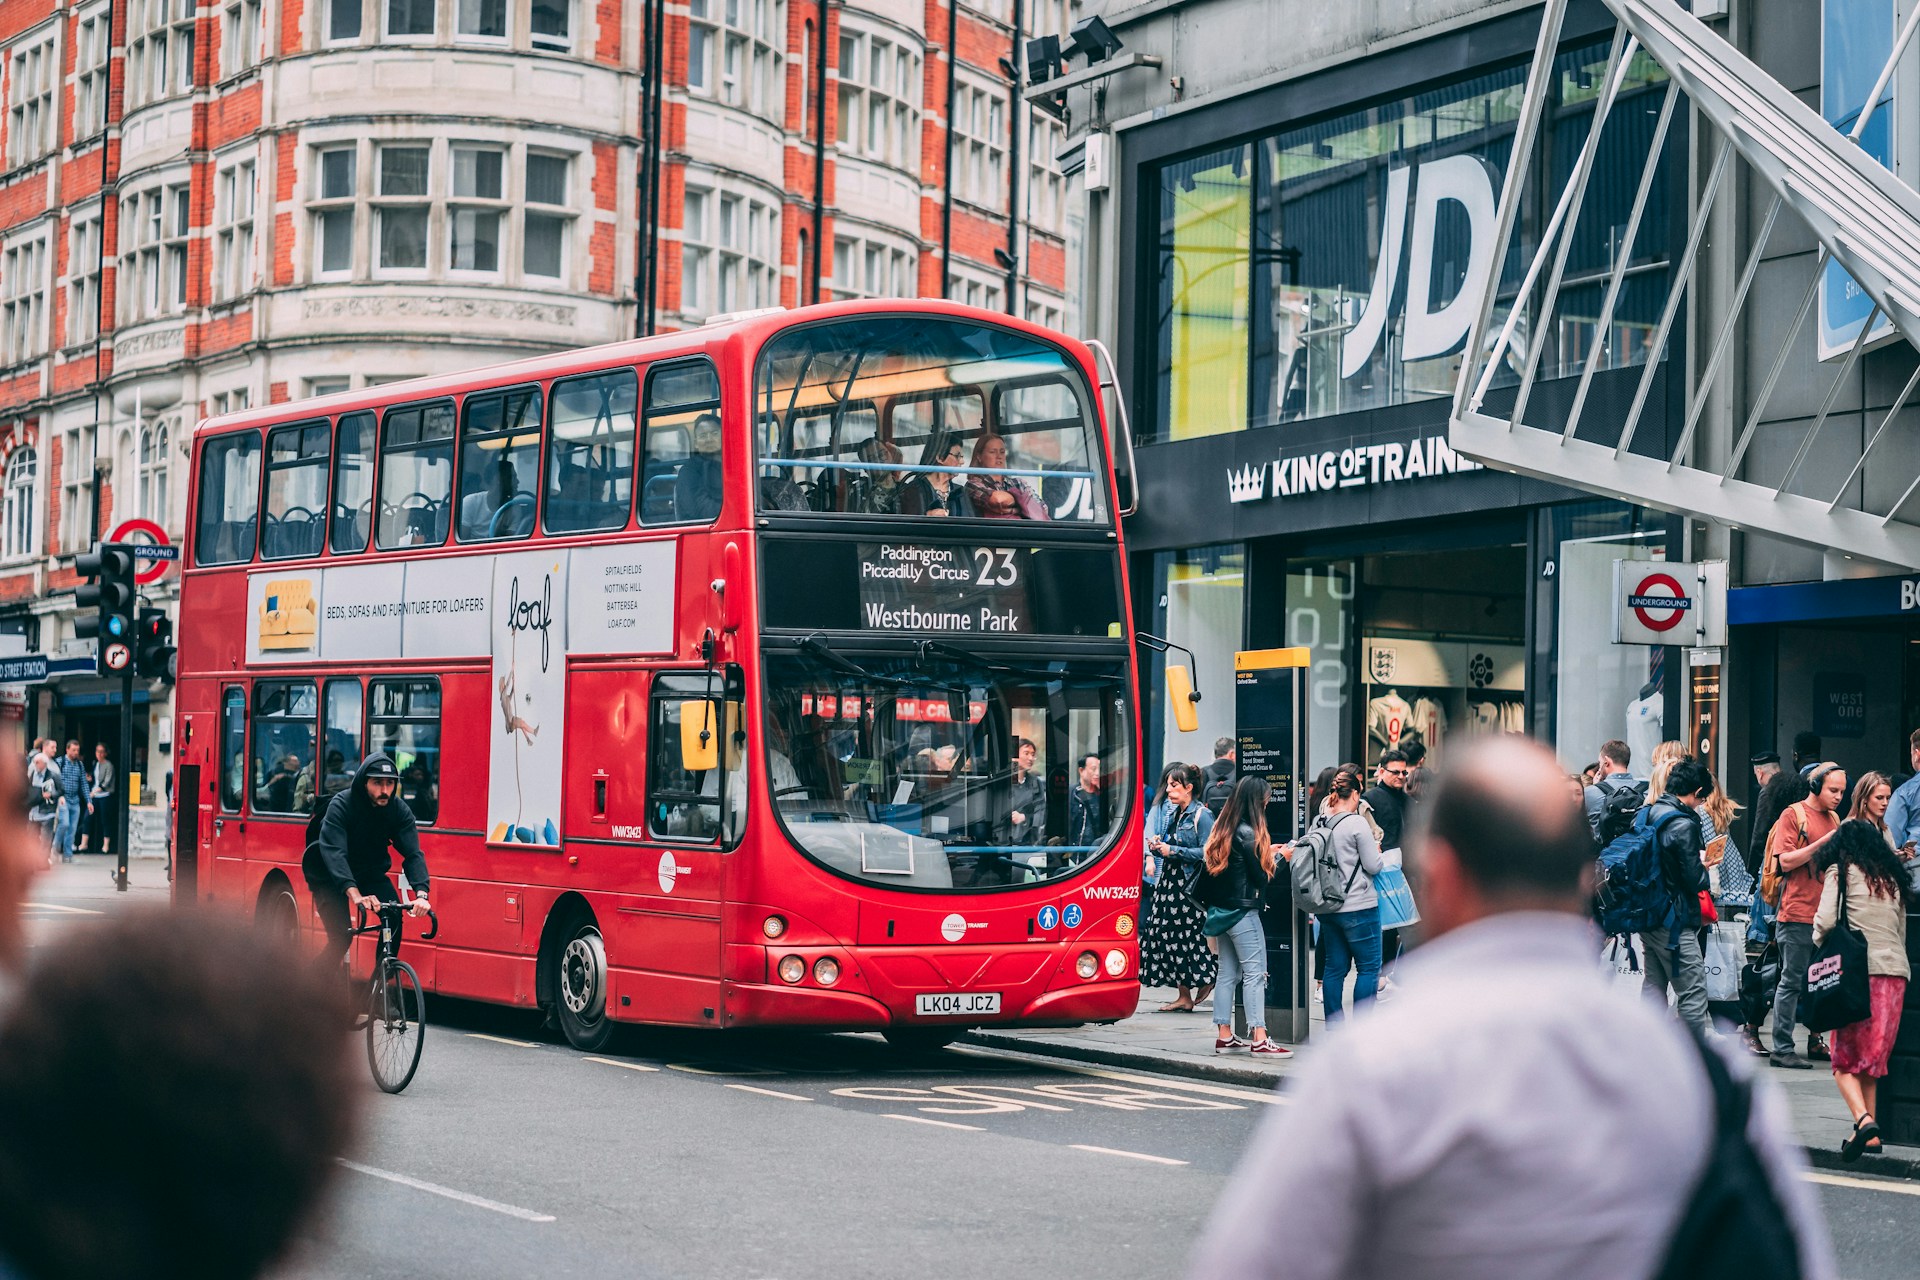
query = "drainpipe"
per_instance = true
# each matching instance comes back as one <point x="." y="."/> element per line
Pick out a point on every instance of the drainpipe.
<point x="946" y="203"/>
<point x="1013" y="166"/>
<point x="819" y="148"/>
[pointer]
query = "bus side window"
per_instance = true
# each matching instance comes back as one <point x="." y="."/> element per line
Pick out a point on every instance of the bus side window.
<point x="403" y="720"/>
<point x="416" y="475"/>
<point x="339" y="735"/>
<point x="233" y="748"/>
<point x="681" y="480"/>
<point x="229" y="499"/>
<point x="296" y="490"/>
<point x="353" y="483"/>
<point x="284" y="779"/>
<point x="499" y="464"/>
<point x="684" y="803"/>
<point x="590" y="452"/>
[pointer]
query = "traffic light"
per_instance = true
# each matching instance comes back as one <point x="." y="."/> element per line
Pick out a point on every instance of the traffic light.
<point x="153" y="646"/>
<point x="109" y="591"/>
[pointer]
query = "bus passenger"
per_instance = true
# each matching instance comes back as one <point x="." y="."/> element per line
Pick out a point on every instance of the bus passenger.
<point x="876" y="493"/>
<point x="1000" y="497"/>
<point x="696" y="486"/>
<point x="933" y="493"/>
<point x="1026" y="798"/>
<point x="478" y="510"/>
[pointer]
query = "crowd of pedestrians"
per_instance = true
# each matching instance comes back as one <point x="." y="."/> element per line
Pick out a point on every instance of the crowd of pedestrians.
<point x="71" y="800"/>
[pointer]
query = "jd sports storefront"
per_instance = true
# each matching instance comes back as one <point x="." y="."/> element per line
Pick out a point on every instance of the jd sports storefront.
<point x="1301" y="267"/>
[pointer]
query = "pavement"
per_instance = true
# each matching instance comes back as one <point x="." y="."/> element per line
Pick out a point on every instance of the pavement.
<point x="1182" y="1044"/>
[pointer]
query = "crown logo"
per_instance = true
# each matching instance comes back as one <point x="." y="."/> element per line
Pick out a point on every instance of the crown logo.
<point x="1248" y="484"/>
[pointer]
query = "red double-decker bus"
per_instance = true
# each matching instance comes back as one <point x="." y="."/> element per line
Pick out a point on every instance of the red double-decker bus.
<point x="774" y="673"/>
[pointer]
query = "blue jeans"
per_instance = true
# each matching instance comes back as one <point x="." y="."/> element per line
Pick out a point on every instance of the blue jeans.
<point x="1351" y="938"/>
<point x="66" y="827"/>
<point x="1243" y="961"/>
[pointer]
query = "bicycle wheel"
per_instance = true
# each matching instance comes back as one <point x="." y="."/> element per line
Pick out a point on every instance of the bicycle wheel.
<point x="396" y="1027"/>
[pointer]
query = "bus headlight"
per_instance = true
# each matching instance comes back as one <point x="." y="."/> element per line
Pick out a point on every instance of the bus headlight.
<point x="792" y="968"/>
<point x="1088" y="965"/>
<point x="826" y="971"/>
<point x="773" y="926"/>
<point x="1116" y="963"/>
<point x="1123" y="925"/>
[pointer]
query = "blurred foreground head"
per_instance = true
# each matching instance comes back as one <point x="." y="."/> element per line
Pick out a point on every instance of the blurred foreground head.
<point x="174" y="1090"/>
<point x="22" y="857"/>
<point x="1502" y="835"/>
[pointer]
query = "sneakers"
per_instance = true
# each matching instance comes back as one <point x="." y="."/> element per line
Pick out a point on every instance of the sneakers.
<point x="1817" y="1048"/>
<point x="1319" y="991"/>
<point x="1229" y="1044"/>
<point x="1268" y="1049"/>
<point x="1788" y="1058"/>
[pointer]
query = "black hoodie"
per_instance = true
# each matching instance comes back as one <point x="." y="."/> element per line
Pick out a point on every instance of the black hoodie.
<point x="354" y="834"/>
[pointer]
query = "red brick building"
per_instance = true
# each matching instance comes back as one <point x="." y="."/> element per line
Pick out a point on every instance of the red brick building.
<point x="209" y="205"/>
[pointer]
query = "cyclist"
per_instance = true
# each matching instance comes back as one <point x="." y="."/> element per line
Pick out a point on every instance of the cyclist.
<point x="347" y="861"/>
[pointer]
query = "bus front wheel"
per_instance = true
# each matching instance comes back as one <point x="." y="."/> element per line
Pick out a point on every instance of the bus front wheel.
<point x="580" y="987"/>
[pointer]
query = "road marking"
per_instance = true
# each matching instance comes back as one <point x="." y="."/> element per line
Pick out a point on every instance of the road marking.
<point x="518" y="1044"/>
<point x="1131" y="1155"/>
<point x="615" y="1062"/>
<point x="1130" y="1077"/>
<point x="944" y="1124"/>
<point x="1867" y="1184"/>
<point x="434" y="1188"/>
<point x="771" y="1093"/>
<point x="693" y="1070"/>
<point x="55" y="906"/>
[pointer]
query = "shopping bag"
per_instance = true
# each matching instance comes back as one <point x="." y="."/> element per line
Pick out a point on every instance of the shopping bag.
<point x="1397" y="909"/>
<point x="1726" y="956"/>
<point x="1838" y="994"/>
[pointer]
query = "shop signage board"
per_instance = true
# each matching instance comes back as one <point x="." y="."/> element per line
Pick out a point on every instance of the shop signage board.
<point x="1670" y="602"/>
<point x="1269" y="728"/>
<point x="1359" y="466"/>
<point x="23" y="668"/>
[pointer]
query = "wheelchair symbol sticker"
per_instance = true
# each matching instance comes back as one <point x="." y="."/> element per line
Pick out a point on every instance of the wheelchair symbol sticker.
<point x="1072" y="915"/>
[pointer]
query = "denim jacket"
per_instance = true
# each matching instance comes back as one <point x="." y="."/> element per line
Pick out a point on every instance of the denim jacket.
<point x="1188" y="836"/>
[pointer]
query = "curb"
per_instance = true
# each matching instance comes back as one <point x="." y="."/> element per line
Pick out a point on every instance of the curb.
<point x="1898" y="1165"/>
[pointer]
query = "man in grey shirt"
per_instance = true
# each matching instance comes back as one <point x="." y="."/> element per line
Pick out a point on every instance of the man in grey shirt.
<point x="1511" y="1115"/>
<point x="1614" y="775"/>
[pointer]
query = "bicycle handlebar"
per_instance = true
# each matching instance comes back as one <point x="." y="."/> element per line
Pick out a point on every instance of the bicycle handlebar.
<point x="361" y="925"/>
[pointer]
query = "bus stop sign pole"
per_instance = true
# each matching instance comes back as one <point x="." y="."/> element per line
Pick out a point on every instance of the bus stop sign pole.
<point x="1270" y="733"/>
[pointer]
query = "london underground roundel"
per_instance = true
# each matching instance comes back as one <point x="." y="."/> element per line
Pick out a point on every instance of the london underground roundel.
<point x="1659" y="602"/>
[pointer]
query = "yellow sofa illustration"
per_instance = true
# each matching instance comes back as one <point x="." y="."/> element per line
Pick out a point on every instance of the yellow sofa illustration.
<point x="289" y="616"/>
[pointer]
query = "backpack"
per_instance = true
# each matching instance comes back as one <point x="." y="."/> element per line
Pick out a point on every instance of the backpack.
<point x="1618" y="808"/>
<point x="1772" y="879"/>
<point x="1733" y="1226"/>
<point x="1317" y="889"/>
<point x="1633" y="895"/>
<point x="1214" y="794"/>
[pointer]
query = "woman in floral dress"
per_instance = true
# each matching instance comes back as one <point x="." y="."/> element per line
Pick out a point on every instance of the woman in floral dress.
<point x="1173" y="951"/>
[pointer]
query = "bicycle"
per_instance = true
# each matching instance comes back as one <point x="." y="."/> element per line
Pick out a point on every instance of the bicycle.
<point x="396" y="1008"/>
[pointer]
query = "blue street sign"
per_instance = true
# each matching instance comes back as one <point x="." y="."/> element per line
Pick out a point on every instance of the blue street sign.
<point x="1072" y="915"/>
<point x="1049" y="917"/>
<point x="23" y="668"/>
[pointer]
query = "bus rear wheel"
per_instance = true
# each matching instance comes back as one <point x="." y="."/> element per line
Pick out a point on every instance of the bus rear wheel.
<point x="920" y="1039"/>
<point x="580" y="987"/>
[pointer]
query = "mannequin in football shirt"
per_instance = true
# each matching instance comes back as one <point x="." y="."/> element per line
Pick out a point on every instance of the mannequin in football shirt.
<point x="1388" y="716"/>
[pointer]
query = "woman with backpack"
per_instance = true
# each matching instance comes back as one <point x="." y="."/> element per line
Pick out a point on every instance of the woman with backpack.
<point x="1350" y="934"/>
<point x="1872" y="880"/>
<point x="1173" y="951"/>
<point x="1239" y="863"/>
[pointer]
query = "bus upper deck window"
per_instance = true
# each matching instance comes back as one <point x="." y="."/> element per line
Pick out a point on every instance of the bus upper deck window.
<point x="296" y="490"/>
<point x="590" y="452"/>
<point x="353" y="483"/>
<point x="682" y="483"/>
<point x="416" y="475"/>
<point x="229" y="499"/>
<point x="499" y="464"/>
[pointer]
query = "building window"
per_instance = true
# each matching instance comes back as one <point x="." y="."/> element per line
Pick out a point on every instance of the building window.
<point x="23" y="300"/>
<point x="327" y="386"/>
<point x="30" y="131"/>
<point x="160" y="51"/>
<point x="975" y="289"/>
<point x="343" y="20"/>
<point x="155" y="493"/>
<point x="154" y="227"/>
<point x="550" y="22"/>
<point x="1042" y="312"/>
<point x="402" y="208"/>
<point x="410" y="19"/>
<point x="333" y="212"/>
<point x="76" y="481"/>
<point x="731" y="50"/>
<point x="730" y="259"/>
<point x="90" y="75"/>
<point x="866" y="269"/>
<point x="477" y="209"/>
<point x="19" y="529"/>
<point x="544" y="251"/>
<point x="233" y="401"/>
<point x="239" y="36"/>
<point x="1045" y="187"/>
<point x="233" y="204"/>
<point x="879" y="99"/>
<point x="83" y="279"/>
<point x="979" y="146"/>
<point x="481" y="19"/>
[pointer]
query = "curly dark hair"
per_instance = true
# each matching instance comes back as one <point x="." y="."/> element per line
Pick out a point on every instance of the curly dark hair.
<point x="1859" y="844"/>
<point x="174" y="1092"/>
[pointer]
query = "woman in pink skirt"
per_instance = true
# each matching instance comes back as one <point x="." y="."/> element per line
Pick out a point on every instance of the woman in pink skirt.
<point x="1875" y="882"/>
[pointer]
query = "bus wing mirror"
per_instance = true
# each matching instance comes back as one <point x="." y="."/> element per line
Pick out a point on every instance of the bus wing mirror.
<point x="1186" y="712"/>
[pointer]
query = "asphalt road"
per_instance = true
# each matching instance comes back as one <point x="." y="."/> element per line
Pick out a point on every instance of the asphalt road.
<point x="788" y="1157"/>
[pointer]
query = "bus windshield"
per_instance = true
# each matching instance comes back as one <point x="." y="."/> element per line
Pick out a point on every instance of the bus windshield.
<point x="944" y="773"/>
<point x="904" y="415"/>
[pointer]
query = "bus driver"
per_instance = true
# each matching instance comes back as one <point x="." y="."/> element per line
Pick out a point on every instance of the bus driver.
<point x="347" y="863"/>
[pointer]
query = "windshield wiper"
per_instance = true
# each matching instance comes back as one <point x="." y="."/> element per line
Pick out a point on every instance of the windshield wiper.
<point x="955" y="653"/>
<point x="817" y="646"/>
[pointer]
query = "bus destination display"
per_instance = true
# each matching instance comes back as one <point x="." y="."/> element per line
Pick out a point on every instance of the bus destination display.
<point x="912" y="587"/>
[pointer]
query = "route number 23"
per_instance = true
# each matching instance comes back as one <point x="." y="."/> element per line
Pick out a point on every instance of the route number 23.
<point x="994" y="567"/>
